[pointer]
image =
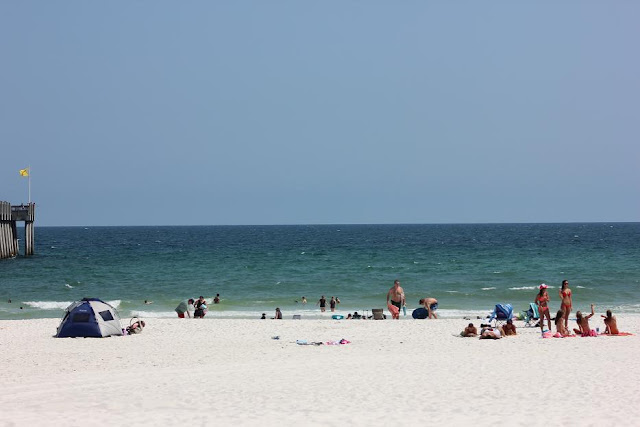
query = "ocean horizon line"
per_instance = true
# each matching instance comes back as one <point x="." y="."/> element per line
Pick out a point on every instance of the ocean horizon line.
<point x="347" y="224"/>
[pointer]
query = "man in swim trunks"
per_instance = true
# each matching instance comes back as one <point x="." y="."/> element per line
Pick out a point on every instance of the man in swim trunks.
<point x="323" y="303"/>
<point x="395" y="298"/>
<point x="431" y="305"/>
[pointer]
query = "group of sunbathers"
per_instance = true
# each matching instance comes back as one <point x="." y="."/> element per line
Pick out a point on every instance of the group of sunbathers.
<point x="490" y="332"/>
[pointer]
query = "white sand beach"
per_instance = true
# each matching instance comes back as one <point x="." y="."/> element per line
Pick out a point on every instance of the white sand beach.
<point x="218" y="372"/>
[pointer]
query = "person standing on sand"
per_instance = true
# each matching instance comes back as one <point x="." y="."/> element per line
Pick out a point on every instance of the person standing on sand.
<point x="542" y="300"/>
<point x="185" y="307"/>
<point x="323" y="303"/>
<point x="395" y="299"/>
<point x="566" y="301"/>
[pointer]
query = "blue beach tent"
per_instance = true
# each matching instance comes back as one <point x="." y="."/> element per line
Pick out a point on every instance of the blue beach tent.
<point x="89" y="317"/>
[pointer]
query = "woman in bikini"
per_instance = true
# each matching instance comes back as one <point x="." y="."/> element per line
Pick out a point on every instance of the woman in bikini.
<point x="542" y="300"/>
<point x="560" y="328"/>
<point x="566" y="303"/>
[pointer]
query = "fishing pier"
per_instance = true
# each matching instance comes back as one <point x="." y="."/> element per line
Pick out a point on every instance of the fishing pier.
<point x="9" y="217"/>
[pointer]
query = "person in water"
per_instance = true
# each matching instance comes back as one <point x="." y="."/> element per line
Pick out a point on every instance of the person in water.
<point x="565" y="301"/>
<point x="216" y="300"/>
<point x="611" y="324"/>
<point x="395" y="299"/>
<point x="583" y="324"/>
<point x="542" y="300"/>
<point x="332" y="304"/>
<point x="323" y="303"/>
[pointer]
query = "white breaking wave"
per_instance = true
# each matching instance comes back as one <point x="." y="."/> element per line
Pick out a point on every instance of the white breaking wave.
<point x="68" y="286"/>
<point x="49" y="305"/>
<point x="489" y="289"/>
<point x="61" y="305"/>
<point x="521" y="288"/>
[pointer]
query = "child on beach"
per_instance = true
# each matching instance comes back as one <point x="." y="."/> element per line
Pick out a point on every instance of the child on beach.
<point x="611" y="324"/>
<point x="583" y="324"/>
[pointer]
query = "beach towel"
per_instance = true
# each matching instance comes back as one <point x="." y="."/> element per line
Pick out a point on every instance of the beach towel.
<point x="619" y="334"/>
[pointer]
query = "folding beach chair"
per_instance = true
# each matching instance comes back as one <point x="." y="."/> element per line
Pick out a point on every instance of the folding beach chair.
<point x="531" y="315"/>
<point x="377" y="313"/>
<point x="501" y="313"/>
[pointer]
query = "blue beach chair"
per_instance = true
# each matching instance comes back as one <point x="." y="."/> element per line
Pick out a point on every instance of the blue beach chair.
<point x="531" y="315"/>
<point x="501" y="313"/>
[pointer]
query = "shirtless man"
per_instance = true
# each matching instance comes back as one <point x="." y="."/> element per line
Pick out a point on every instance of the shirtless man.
<point x="469" y="331"/>
<point x="583" y="324"/>
<point x="612" y="324"/>
<point x="431" y="304"/>
<point x="509" y="328"/>
<point x="395" y="298"/>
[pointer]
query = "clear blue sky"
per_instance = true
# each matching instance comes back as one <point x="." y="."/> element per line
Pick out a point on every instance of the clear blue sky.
<point x="290" y="112"/>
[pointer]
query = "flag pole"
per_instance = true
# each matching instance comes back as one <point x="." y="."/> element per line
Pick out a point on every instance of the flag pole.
<point x="29" y="176"/>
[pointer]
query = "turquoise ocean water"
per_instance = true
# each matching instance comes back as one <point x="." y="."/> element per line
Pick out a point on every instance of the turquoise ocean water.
<point x="469" y="268"/>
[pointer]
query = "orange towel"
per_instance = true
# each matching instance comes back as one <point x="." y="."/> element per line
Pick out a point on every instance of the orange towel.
<point x="395" y="311"/>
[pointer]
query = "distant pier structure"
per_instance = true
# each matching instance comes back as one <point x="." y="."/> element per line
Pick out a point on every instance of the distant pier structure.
<point x="9" y="216"/>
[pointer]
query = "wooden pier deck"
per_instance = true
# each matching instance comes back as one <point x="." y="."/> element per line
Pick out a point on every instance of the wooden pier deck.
<point x="9" y="216"/>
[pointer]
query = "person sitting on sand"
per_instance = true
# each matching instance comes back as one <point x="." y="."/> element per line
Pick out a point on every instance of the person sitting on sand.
<point x="431" y="305"/>
<point x="611" y="324"/>
<point x="583" y="324"/>
<point x="264" y="316"/>
<point x="278" y="314"/>
<point x="469" y="331"/>
<point x="509" y="328"/>
<point x="490" y="333"/>
<point x="561" y="330"/>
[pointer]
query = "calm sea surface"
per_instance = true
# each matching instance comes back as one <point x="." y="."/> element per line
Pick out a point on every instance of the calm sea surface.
<point x="469" y="268"/>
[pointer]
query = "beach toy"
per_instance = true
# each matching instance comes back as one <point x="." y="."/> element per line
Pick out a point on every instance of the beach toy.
<point x="337" y="317"/>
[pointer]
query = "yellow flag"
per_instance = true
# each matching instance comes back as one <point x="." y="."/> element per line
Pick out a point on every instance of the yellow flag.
<point x="24" y="172"/>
